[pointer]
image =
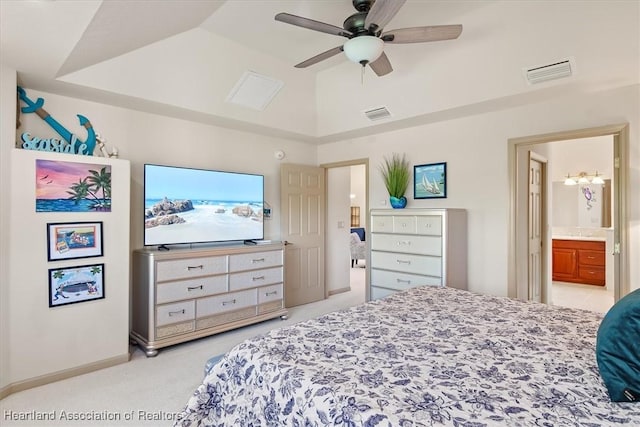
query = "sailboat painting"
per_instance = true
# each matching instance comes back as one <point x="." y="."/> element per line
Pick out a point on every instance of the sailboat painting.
<point x="430" y="181"/>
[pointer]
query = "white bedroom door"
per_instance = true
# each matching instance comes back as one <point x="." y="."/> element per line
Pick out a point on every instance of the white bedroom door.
<point x="536" y="213"/>
<point x="302" y="218"/>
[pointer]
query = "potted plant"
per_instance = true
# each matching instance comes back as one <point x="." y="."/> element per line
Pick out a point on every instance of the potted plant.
<point x="395" y="172"/>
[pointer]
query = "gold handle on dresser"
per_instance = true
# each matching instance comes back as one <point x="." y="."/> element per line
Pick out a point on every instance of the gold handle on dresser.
<point x="233" y="301"/>
<point x="404" y="242"/>
<point x="267" y="294"/>
<point x="257" y="260"/>
<point x="399" y="261"/>
<point x="172" y="313"/>
<point x="258" y="278"/>
<point x="191" y="288"/>
<point x="195" y="267"/>
<point x="591" y="257"/>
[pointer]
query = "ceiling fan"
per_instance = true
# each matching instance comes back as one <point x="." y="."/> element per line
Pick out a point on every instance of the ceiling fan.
<point x="364" y="31"/>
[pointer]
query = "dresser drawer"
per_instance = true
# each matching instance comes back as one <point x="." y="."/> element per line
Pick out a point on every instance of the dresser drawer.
<point x="377" y="293"/>
<point x="399" y="281"/>
<point x="174" y="313"/>
<point x="270" y="293"/>
<point x="227" y="302"/>
<point x="424" y="245"/>
<point x="188" y="268"/>
<point x="407" y="263"/>
<point x="185" y="289"/>
<point x="404" y="224"/>
<point x="429" y="225"/>
<point x="382" y="224"/>
<point x="255" y="278"/>
<point x="591" y="258"/>
<point x="253" y="261"/>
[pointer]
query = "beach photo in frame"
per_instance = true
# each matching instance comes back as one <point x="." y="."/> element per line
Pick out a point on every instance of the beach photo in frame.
<point x="70" y="240"/>
<point x="72" y="187"/>
<point x="70" y="285"/>
<point x="430" y="181"/>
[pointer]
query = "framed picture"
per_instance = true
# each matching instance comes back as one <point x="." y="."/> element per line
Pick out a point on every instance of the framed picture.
<point x="430" y="181"/>
<point x="69" y="240"/>
<point x="70" y="285"/>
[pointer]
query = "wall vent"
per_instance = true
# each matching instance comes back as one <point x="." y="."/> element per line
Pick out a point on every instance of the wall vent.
<point x="377" y="114"/>
<point x="254" y="90"/>
<point x="543" y="73"/>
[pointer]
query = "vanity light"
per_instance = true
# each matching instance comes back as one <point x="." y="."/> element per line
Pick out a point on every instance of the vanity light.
<point x="584" y="178"/>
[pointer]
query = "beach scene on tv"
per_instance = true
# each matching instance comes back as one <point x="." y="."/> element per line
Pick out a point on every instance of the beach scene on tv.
<point x="196" y="206"/>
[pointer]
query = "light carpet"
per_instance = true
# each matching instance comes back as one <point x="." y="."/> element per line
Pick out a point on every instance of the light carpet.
<point x="148" y="391"/>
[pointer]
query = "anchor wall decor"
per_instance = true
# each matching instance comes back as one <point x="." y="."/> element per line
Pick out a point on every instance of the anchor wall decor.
<point x="69" y="143"/>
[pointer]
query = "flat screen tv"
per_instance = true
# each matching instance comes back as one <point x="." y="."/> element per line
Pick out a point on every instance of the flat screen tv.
<point x="187" y="205"/>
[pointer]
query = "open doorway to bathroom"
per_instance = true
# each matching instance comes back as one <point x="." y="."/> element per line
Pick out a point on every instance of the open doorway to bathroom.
<point x="548" y="146"/>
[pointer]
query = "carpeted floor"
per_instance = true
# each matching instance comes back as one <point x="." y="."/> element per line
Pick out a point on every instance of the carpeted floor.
<point x="148" y="391"/>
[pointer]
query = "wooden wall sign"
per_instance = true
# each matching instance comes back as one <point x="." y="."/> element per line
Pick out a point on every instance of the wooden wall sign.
<point x="69" y="142"/>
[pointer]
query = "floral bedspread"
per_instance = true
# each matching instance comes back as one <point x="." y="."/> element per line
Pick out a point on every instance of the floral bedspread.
<point x="425" y="357"/>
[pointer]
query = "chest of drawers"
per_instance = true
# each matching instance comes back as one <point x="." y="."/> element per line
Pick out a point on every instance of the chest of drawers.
<point x="180" y="295"/>
<point x="417" y="247"/>
<point x="579" y="261"/>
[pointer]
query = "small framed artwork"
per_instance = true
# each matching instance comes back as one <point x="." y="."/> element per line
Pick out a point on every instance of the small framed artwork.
<point x="69" y="240"/>
<point x="70" y="285"/>
<point x="430" y="181"/>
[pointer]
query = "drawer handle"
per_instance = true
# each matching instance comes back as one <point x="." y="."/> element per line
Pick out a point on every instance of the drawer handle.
<point x="404" y="242"/>
<point x="191" y="288"/>
<point x="172" y="313"/>
<point x="591" y="257"/>
<point x="258" y="278"/>
<point x="399" y="261"/>
<point x="233" y="301"/>
<point x="267" y="294"/>
<point x="257" y="260"/>
<point x="195" y="267"/>
<point x="408" y="282"/>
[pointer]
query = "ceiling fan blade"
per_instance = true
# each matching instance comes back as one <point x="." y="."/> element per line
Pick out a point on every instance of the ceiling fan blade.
<point x="422" y="34"/>
<point x="381" y="66"/>
<point x="320" y="57"/>
<point x="382" y="12"/>
<point x="312" y="25"/>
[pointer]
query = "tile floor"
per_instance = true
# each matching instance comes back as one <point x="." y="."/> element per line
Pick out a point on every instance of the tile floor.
<point x="587" y="297"/>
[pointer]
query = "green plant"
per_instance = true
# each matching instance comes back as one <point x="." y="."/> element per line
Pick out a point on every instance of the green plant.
<point x="395" y="171"/>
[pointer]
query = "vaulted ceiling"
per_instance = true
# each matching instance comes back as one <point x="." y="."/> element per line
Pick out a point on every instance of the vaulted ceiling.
<point x="183" y="58"/>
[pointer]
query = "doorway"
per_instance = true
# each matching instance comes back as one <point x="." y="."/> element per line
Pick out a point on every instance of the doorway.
<point x="347" y="207"/>
<point x="518" y="237"/>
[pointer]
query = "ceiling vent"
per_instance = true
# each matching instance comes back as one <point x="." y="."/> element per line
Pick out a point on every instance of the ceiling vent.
<point x="254" y="90"/>
<point x="377" y="114"/>
<point x="543" y="73"/>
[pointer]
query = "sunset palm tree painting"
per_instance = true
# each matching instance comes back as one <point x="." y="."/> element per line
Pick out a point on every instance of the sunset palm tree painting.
<point x="72" y="187"/>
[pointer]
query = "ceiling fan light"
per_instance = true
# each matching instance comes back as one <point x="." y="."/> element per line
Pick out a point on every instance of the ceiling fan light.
<point x="363" y="49"/>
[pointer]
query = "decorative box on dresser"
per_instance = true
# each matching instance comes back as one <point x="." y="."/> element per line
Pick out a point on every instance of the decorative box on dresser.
<point x="184" y="294"/>
<point x="416" y="247"/>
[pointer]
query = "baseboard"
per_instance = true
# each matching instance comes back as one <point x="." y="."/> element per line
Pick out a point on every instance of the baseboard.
<point x="339" y="291"/>
<point x="62" y="375"/>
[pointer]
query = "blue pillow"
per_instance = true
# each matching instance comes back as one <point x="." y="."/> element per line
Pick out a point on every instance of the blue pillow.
<point x="618" y="349"/>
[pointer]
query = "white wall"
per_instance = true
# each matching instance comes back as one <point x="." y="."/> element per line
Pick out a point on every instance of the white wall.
<point x="337" y="257"/>
<point x="475" y="149"/>
<point x="7" y="134"/>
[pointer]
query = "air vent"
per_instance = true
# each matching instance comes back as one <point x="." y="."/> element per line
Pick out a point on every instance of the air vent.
<point x="254" y="90"/>
<point x="377" y="114"/>
<point x="543" y="73"/>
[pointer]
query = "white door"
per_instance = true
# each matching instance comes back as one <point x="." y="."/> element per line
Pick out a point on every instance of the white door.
<point x="536" y="215"/>
<point x="302" y="207"/>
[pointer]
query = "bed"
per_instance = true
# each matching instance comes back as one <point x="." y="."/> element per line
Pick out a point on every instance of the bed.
<point x="422" y="357"/>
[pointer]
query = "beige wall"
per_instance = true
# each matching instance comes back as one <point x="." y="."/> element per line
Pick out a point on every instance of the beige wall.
<point x="476" y="150"/>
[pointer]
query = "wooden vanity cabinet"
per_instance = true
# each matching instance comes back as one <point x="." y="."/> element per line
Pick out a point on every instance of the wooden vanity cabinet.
<point x="579" y="261"/>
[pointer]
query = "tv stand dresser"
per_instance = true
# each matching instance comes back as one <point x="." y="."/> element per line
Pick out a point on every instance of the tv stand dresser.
<point x="184" y="294"/>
